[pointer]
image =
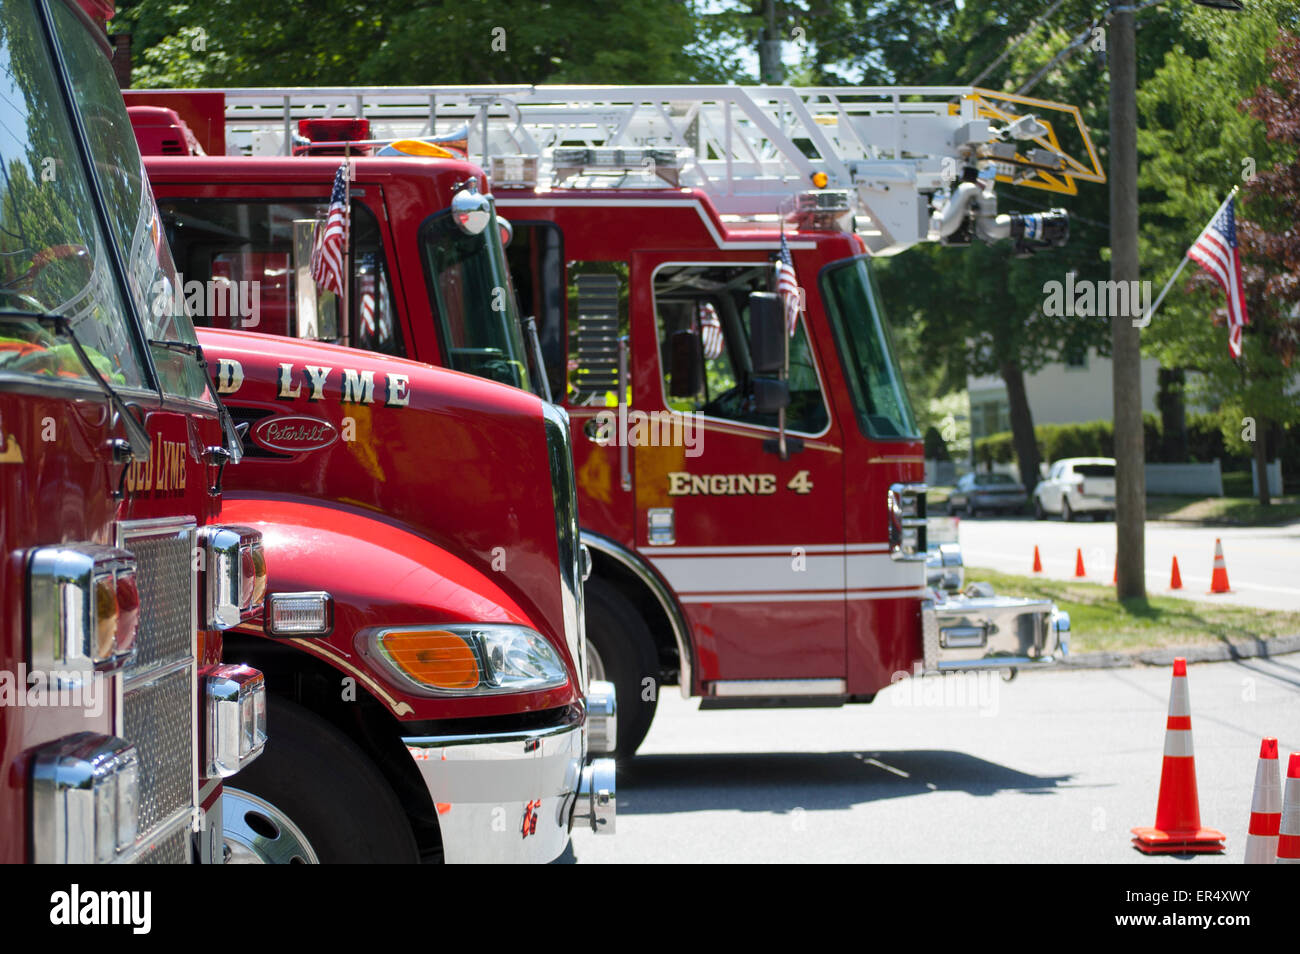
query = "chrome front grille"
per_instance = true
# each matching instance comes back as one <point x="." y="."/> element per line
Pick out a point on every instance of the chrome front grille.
<point x="158" y="723"/>
<point x="166" y="576"/>
<point x="171" y="849"/>
<point x="160" y="690"/>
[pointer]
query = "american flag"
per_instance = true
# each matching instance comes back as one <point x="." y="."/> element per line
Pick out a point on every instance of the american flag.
<point x="327" y="253"/>
<point x="787" y="286"/>
<point x="366" y="285"/>
<point x="1216" y="252"/>
<point x="710" y="330"/>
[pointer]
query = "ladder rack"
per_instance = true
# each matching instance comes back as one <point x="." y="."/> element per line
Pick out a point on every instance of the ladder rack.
<point x="898" y="150"/>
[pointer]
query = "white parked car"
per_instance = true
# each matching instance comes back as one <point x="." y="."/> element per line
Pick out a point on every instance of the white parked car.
<point x="1077" y="485"/>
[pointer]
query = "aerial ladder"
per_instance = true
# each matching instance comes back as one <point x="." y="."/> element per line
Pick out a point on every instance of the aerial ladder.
<point x="918" y="163"/>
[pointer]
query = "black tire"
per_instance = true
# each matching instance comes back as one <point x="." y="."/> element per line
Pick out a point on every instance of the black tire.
<point x="627" y="650"/>
<point x="1039" y="512"/>
<point x="1067" y="514"/>
<point x="324" y="784"/>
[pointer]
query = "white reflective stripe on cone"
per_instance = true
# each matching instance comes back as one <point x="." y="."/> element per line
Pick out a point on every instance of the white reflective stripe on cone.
<point x="1268" y="788"/>
<point x="1178" y="743"/>
<point x="1180" y="703"/>
<point x="1261" y="849"/>
<point x="1291" y="808"/>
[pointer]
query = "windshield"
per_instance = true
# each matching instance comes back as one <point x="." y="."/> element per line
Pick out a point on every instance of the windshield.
<point x="866" y="352"/>
<point x="137" y="230"/>
<point x="471" y="294"/>
<point x="53" y="256"/>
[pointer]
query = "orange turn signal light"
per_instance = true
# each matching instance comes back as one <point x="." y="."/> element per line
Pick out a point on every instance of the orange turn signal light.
<point x="819" y="179"/>
<point x="416" y="147"/>
<point x="435" y="658"/>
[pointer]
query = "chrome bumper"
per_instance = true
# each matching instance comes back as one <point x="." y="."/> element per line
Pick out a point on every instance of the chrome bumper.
<point x="513" y="797"/>
<point x="992" y="632"/>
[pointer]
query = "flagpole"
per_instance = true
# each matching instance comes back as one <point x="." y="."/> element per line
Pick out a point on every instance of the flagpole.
<point x="1146" y="319"/>
<point x="785" y="372"/>
<point x="346" y="316"/>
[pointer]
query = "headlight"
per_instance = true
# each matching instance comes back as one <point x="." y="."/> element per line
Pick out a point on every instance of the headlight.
<point x="235" y="568"/>
<point x="84" y="608"/>
<point x="236" y="718"/>
<point x="85" y="799"/>
<point x="299" y="614"/>
<point x="466" y="658"/>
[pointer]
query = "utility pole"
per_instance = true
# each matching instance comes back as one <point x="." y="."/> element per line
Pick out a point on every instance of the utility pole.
<point x="770" y="70"/>
<point x="1126" y="383"/>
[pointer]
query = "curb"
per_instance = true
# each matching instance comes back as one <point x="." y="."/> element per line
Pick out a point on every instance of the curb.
<point x="1250" y="649"/>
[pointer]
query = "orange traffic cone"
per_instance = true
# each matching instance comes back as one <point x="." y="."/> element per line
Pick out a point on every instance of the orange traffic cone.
<point x="1114" y="574"/>
<point x="1078" y="563"/>
<point x="1178" y="812"/>
<point x="1288" y="842"/>
<point x="1219" y="579"/>
<point x="1265" y="807"/>
<point x="1038" y="562"/>
<point x="1175" y="578"/>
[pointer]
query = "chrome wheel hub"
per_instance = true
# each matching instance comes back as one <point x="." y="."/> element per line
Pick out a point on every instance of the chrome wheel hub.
<point x="258" y="833"/>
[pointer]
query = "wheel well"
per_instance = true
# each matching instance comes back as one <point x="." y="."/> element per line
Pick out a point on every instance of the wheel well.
<point x="315" y="685"/>
<point x="647" y="607"/>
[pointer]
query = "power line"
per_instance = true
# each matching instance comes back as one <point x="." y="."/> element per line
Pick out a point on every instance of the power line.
<point x="1021" y="39"/>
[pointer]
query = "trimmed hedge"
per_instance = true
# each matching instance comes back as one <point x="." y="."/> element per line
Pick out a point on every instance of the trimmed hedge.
<point x="1097" y="439"/>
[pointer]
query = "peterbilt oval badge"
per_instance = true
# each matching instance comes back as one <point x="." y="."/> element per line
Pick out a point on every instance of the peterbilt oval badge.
<point x="294" y="434"/>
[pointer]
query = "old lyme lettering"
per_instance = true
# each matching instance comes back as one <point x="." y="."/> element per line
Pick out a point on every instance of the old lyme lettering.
<point x="323" y="383"/>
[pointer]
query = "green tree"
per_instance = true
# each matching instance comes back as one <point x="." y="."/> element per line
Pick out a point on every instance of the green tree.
<point x="1196" y="144"/>
<point x="434" y="42"/>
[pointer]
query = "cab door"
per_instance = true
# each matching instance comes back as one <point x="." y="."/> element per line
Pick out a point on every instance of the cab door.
<point x="752" y="542"/>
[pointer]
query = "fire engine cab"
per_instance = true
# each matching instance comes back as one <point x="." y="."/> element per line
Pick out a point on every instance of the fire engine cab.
<point x="119" y="721"/>
<point x="694" y="268"/>
<point x="425" y="663"/>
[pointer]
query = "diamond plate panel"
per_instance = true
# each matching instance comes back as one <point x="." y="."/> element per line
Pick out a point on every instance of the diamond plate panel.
<point x="157" y="721"/>
<point x="174" y="849"/>
<point x="168" y="584"/>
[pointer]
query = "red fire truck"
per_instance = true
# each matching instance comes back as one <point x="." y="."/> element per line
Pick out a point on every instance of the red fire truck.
<point x="427" y="658"/>
<point x="753" y="499"/>
<point x="118" y="718"/>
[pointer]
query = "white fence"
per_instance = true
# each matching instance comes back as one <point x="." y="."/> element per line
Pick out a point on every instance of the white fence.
<point x="1274" y="471"/>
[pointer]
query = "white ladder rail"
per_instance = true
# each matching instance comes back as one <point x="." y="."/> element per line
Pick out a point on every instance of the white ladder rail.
<point x="751" y="149"/>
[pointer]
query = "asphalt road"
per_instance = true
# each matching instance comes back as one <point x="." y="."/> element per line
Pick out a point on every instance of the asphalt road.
<point x="1053" y="767"/>
<point x="1261" y="562"/>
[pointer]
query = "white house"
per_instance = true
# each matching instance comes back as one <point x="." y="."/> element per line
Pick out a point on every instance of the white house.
<point x="1065" y="393"/>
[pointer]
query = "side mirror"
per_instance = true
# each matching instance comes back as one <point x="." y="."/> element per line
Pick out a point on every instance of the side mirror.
<point x="686" y="364"/>
<point x="766" y="333"/>
<point x="771" y="395"/>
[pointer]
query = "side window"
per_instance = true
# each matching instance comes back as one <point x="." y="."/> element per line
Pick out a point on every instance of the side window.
<point x="536" y="259"/>
<point x="247" y="265"/>
<point x="706" y="307"/>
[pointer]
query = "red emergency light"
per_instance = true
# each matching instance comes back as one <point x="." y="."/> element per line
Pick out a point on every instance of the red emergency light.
<point x="161" y="132"/>
<point x="314" y="134"/>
